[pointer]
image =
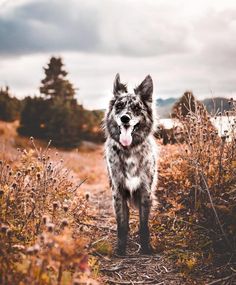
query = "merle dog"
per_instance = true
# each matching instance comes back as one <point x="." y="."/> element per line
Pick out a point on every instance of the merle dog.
<point x="131" y="156"/>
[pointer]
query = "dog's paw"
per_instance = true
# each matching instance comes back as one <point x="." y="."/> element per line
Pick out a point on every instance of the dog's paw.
<point x="120" y="251"/>
<point x="147" y="249"/>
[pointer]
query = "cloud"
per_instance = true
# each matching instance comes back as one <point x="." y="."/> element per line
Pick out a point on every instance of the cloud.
<point x="47" y="27"/>
<point x="182" y="44"/>
<point x="115" y="27"/>
<point x="216" y="32"/>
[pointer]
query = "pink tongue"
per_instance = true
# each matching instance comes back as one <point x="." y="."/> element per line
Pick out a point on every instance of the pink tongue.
<point x="125" y="136"/>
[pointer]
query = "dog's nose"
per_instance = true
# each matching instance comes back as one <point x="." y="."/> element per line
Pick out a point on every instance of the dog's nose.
<point x="125" y="119"/>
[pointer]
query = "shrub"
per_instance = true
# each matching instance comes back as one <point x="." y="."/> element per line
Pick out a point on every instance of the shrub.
<point x="34" y="116"/>
<point x="10" y="107"/>
<point x="185" y="104"/>
<point x="197" y="187"/>
<point x="39" y="243"/>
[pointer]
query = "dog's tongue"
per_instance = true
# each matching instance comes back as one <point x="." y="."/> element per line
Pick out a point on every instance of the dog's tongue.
<point x="125" y="136"/>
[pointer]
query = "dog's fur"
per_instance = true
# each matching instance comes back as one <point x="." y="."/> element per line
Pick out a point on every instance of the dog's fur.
<point x="131" y="156"/>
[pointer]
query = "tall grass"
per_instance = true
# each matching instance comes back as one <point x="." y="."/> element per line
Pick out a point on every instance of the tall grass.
<point x="196" y="221"/>
<point x="211" y="159"/>
<point x="39" y="208"/>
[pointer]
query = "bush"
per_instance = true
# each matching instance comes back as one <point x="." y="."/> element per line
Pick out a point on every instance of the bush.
<point x="10" y="107"/>
<point x="212" y="159"/>
<point x="34" y="117"/>
<point x="38" y="214"/>
<point x="185" y="104"/>
<point x="65" y="123"/>
<point x="197" y="187"/>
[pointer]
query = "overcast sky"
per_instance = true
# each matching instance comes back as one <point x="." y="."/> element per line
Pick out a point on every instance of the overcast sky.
<point x="182" y="44"/>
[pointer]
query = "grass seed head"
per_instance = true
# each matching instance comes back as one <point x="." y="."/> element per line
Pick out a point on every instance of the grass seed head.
<point x="55" y="205"/>
<point x="64" y="223"/>
<point x="65" y="207"/>
<point x="50" y="227"/>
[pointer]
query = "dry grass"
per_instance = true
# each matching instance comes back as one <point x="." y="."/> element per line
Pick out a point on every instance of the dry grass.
<point x="195" y="222"/>
<point x="50" y="233"/>
<point x="40" y="240"/>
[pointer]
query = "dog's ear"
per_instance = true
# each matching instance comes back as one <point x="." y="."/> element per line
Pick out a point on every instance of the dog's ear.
<point x="145" y="89"/>
<point x="119" y="87"/>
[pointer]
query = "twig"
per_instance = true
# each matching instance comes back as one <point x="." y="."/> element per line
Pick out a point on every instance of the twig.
<point x="220" y="162"/>
<point x="102" y="256"/>
<point x="96" y="241"/>
<point x="60" y="274"/>
<point x="173" y="225"/>
<point x="113" y="269"/>
<point x="196" y="225"/>
<point x="166" y="270"/>
<point x="139" y="246"/>
<point x="76" y="187"/>
<point x="222" y="279"/>
<point x="47" y="147"/>
<point x="214" y="209"/>
<point x="134" y="257"/>
<point x="118" y="274"/>
<point x="132" y="282"/>
<point x="234" y="270"/>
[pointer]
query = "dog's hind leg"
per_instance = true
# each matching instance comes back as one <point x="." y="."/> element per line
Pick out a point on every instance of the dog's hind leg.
<point x="144" y="202"/>
<point x="122" y="219"/>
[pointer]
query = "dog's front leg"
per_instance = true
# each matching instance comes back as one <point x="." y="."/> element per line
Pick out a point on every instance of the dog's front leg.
<point x="144" y="211"/>
<point x="122" y="219"/>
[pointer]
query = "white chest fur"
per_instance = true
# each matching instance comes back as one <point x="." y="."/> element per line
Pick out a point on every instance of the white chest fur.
<point x="132" y="181"/>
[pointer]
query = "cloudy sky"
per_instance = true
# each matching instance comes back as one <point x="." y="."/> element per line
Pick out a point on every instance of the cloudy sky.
<point x="183" y="44"/>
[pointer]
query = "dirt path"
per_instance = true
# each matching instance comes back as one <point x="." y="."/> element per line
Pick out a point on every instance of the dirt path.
<point x="134" y="268"/>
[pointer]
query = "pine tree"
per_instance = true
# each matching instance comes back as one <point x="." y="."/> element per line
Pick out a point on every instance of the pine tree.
<point x="55" y="85"/>
<point x="56" y="115"/>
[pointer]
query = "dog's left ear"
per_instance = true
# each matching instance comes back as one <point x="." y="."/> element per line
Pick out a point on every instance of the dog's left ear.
<point x="145" y="89"/>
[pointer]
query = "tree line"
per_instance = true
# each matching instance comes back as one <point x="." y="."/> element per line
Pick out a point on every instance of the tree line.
<point x="55" y="114"/>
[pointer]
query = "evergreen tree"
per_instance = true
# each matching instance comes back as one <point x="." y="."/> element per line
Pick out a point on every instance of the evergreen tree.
<point x="55" y="85"/>
<point x="56" y="115"/>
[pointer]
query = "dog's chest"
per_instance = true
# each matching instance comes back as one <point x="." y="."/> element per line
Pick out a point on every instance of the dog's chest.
<point x="130" y="170"/>
<point x="131" y="175"/>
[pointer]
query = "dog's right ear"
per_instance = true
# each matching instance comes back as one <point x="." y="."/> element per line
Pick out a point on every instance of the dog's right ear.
<point x="119" y="87"/>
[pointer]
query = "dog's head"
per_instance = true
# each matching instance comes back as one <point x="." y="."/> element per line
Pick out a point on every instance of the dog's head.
<point x="129" y="119"/>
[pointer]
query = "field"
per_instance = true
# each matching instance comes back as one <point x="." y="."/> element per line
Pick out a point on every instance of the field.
<point x="78" y="76"/>
<point x="58" y="226"/>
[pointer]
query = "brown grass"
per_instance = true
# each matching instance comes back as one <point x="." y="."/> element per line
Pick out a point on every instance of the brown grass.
<point x="195" y="222"/>
<point x="50" y="233"/>
<point x="40" y="241"/>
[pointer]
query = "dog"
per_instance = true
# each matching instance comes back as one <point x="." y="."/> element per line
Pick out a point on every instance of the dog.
<point x="131" y="156"/>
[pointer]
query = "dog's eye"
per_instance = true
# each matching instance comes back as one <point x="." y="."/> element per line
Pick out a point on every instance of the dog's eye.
<point x="119" y="105"/>
<point x="136" y="108"/>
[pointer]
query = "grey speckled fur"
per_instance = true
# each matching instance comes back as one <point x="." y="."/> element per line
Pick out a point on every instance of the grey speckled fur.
<point x="132" y="169"/>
